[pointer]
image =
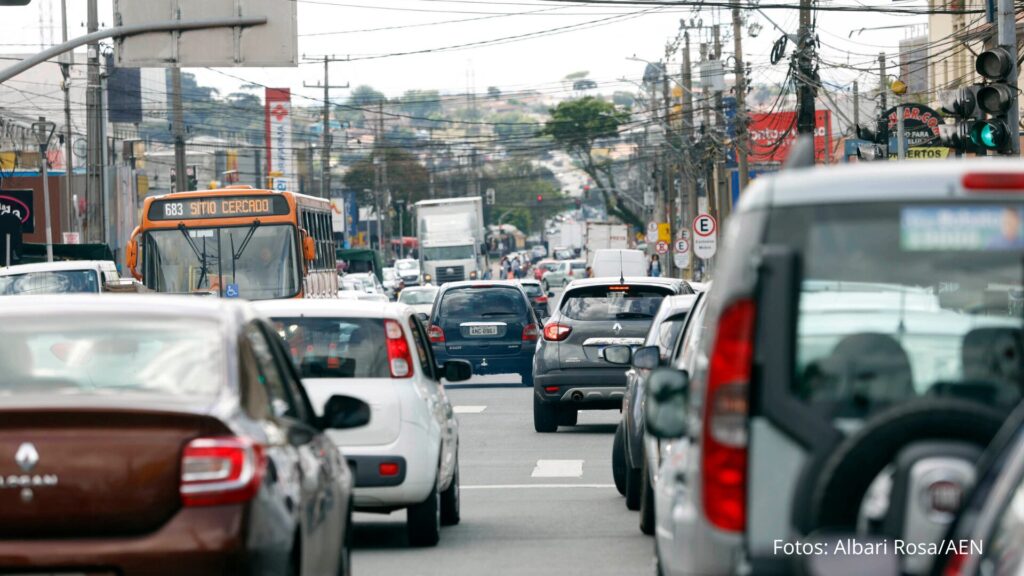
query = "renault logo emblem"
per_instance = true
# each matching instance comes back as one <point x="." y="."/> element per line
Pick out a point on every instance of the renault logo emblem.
<point x="617" y="328"/>
<point x="27" y="457"/>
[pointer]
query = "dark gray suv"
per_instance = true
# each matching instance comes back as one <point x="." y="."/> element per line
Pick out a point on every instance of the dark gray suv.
<point x="570" y="372"/>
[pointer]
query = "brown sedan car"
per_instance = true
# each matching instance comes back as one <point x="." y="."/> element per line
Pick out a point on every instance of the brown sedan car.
<point x="160" y="435"/>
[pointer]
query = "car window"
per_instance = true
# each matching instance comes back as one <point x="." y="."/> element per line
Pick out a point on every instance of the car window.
<point x="462" y="304"/>
<point x="905" y="300"/>
<point x="597" y="303"/>
<point x="281" y="400"/>
<point x="335" y="347"/>
<point x="668" y="334"/>
<point x="52" y="282"/>
<point x="422" y="347"/>
<point x="692" y="331"/>
<point x="578" y="265"/>
<point x="292" y="380"/>
<point x="414" y="297"/>
<point x="532" y="290"/>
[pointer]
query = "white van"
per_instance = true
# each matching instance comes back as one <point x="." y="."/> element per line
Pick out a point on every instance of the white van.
<point x="62" y="277"/>
<point x="618" y="263"/>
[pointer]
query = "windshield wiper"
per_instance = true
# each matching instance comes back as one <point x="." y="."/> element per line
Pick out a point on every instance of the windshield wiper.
<point x="235" y="256"/>
<point x="200" y="255"/>
<point x="626" y="315"/>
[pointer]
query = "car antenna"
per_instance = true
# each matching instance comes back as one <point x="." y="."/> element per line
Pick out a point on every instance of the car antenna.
<point x="622" y="276"/>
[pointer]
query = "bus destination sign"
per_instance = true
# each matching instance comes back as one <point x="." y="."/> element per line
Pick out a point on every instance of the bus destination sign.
<point x="218" y="207"/>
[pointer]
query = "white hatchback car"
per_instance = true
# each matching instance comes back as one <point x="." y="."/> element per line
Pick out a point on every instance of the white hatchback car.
<point x="408" y="455"/>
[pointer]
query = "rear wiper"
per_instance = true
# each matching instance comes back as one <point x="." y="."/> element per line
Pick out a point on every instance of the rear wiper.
<point x="625" y="315"/>
<point x="498" y="314"/>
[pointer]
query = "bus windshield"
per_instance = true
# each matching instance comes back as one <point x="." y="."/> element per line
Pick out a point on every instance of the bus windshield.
<point x="253" y="262"/>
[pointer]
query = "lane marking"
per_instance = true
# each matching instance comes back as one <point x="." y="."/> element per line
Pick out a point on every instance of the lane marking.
<point x="535" y="486"/>
<point x="558" y="469"/>
<point x="468" y="409"/>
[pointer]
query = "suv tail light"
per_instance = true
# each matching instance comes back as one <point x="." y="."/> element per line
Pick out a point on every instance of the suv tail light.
<point x="531" y="333"/>
<point x="217" y="471"/>
<point x="542" y="299"/>
<point x="724" y="466"/>
<point x="994" y="181"/>
<point x="399" y="355"/>
<point x="556" y="332"/>
<point x="435" y="334"/>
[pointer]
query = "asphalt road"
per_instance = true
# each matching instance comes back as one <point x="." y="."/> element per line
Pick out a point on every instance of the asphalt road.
<point x="532" y="503"/>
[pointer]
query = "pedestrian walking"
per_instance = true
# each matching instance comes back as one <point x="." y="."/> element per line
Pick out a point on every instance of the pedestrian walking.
<point x="517" y="268"/>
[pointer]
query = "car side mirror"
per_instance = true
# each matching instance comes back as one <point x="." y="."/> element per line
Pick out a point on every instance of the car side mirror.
<point x="551" y="294"/>
<point x="457" y="370"/>
<point x="344" y="412"/>
<point x="422" y="316"/>
<point x="619" y="355"/>
<point x="648" y="358"/>
<point x="665" y="410"/>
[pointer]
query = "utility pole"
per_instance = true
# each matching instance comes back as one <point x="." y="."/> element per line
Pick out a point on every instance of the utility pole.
<point x="325" y="155"/>
<point x="70" y="222"/>
<point x="94" y="176"/>
<point x="882" y="76"/>
<point x="742" y="136"/>
<point x="667" y="190"/>
<point x="180" y="170"/>
<point x="1008" y="41"/>
<point x="713" y="190"/>
<point x="856" y="106"/>
<point x="806" y="78"/>
<point x="686" y="185"/>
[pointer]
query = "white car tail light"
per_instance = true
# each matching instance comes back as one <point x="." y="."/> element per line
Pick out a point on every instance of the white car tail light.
<point x="399" y="355"/>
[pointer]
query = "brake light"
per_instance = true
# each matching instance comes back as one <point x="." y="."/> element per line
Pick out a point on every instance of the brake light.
<point x="556" y="332"/>
<point x="570" y="271"/>
<point x="435" y="333"/>
<point x="995" y="181"/>
<point x="541" y="299"/>
<point x="531" y="333"/>
<point x="399" y="355"/>
<point x="218" y="471"/>
<point x="724" y="466"/>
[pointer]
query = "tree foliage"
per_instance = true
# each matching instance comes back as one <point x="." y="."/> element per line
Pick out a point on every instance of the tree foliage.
<point x="407" y="178"/>
<point x="576" y="126"/>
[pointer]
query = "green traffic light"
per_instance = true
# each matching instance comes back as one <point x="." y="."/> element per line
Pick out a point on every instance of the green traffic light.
<point x="990" y="134"/>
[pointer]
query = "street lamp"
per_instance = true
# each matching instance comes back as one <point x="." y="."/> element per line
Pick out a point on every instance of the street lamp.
<point x="43" y="132"/>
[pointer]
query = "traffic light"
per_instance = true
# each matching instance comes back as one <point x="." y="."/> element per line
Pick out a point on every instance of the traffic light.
<point x="962" y="105"/>
<point x="878" y="135"/>
<point x="996" y="98"/>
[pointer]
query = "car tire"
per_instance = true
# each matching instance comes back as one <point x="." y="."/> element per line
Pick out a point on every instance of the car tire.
<point x="451" y="500"/>
<point x="545" y="416"/>
<point x="619" y="460"/>
<point x="568" y="417"/>
<point x="423" y="525"/>
<point x="634" y="487"/>
<point x="544" y="286"/>
<point x="646" y="502"/>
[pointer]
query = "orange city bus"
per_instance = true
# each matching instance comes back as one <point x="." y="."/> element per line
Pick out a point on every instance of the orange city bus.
<point x="236" y="242"/>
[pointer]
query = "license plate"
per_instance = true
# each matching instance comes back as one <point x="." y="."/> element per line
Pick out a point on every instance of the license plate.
<point x="483" y="330"/>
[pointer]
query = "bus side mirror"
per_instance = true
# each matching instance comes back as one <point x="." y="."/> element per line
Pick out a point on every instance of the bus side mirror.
<point x="132" y="254"/>
<point x="308" y="247"/>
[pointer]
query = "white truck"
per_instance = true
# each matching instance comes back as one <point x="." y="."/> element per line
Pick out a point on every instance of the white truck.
<point x="570" y="235"/>
<point x="605" y="236"/>
<point x="451" y="239"/>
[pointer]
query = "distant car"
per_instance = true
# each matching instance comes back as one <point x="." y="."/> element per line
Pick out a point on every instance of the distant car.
<point x="564" y="253"/>
<point x="407" y="456"/>
<point x="570" y="371"/>
<point x="489" y="323"/>
<point x="67" y="277"/>
<point x="165" y="436"/>
<point x="614" y="263"/>
<point x="392" y="283"/>
<point x="567" y="271"/>
<point x="420" y="298"/>
<point x="542" y="266"/>
<point x="365" y="285"/>
<point x="538" y="252"/>
<point x="657" y="350"/>
<point x="409" y="270"/>
<point x="538" y="298"/>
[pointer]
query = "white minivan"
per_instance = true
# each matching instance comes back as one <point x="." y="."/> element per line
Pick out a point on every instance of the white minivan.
<point x="612" y="262"/>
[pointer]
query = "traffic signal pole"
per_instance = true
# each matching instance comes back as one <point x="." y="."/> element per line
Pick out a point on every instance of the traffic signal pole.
<point x="1008" y="41"/>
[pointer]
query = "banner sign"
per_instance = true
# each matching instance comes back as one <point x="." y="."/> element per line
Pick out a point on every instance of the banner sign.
<point x="279" y="132"/>
<point x="771" y="135"/>
<point x="18" y="204"/>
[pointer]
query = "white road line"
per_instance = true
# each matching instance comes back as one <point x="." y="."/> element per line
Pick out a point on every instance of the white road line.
<point x="535" y="486"/>
<point x="558" y="469"/>
<point x="468" y="409"/>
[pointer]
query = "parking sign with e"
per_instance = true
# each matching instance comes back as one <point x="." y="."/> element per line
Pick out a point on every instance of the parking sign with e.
<point x="705" y="236"/>
<point x="705" y="225"/>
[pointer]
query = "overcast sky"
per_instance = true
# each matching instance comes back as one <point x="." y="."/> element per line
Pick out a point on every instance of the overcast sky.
<point x="595" y="38"/>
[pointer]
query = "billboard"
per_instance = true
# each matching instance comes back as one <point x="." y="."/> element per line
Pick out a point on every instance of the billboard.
<point x="771" y="135"/>
<point x="124" y="93"/>
<point x="279" y="132"/>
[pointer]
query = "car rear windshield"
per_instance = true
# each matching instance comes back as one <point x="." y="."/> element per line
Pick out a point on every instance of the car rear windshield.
<point x="905" y="300"/>
<point x="336" y="347"/>
<point x="532" y="290"/>
<point x="595" y="303"/>
<point x="466" y="304"/>
<point x="413" y="297"/>
<point x="52" y="282"/>
<point x="109" y="356"/>
<point x="578" y="265"/>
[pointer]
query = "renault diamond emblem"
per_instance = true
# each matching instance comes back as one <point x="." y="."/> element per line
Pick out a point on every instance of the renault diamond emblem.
<point x="484" y="363"/>
<point x="617" y="328"/>
<point x="27" y="457"/>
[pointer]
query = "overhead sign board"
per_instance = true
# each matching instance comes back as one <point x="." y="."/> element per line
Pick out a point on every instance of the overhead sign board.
<point x="705" y="236"/>
<point x="273" y="44"/>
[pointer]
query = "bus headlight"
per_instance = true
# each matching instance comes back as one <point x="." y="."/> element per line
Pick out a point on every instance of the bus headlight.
<point x="427" y="278"/>
<point x="472" y="275"/>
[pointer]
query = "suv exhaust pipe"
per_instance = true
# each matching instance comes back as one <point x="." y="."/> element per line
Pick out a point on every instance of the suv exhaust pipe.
<point x="577" y="396"/>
